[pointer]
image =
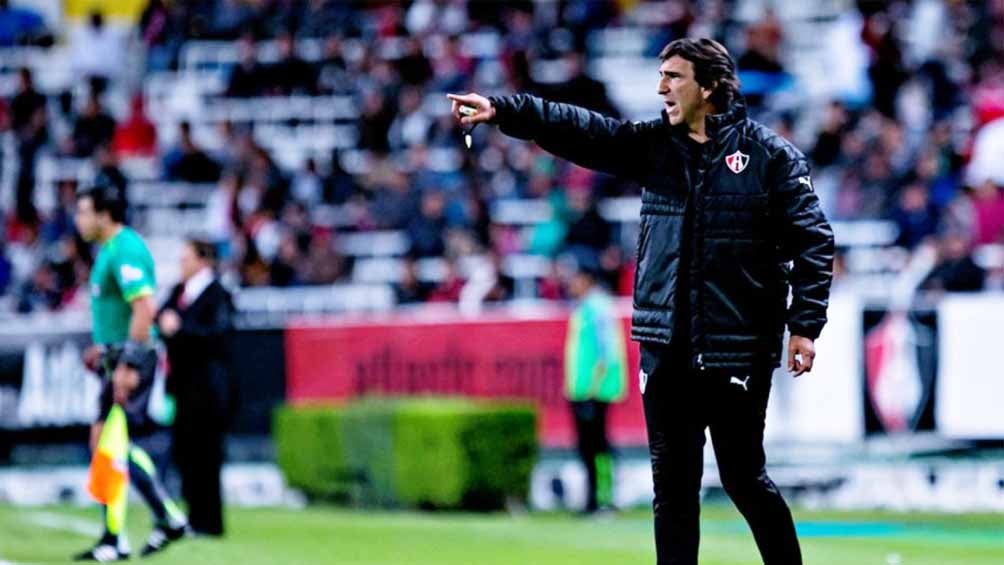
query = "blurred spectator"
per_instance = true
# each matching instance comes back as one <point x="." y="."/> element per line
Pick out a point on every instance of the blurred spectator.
<point x="394" y="204"/>
<point x="290" y="74"/>
<point x="252" y="268"/>
<point x="412" y="125"/>
<point x="323" y="264"/>
<point x="955" y="270"/>
<point x="430" y="15"/>
<point x="332" y="71"/>
<point x="503" y="286"/>
<point x="41" y="292"/>
<point x="71" y="263"/>
<point x="410" y="289"/>
<point x="915" y="215"/>
<point x="285" y="268"/>
<point x="988" y="146"/>
<point x="587" y="228"/>
<point x="188" y="162"/>
<point x="158" y="30"/>
<point x="414" y="67"/>
<point x="230" y="18"/>
<point x="339" y="185"/>
<point x="26" y="252"/>
<point x="20" y="25"/>
<point x="374" y="123"/>
<point x="425" y="231"/>
<point x="760" y="68"/>
<point x="886" y="70"/>
<point x="29" y="121"/>
<point x="222" y="212"/>
<point x="247" y="77"/>
<point x="279" y="17"/>
<point x="137" y="135"/>
<point x="580" y="88"/>
<point x="60" y="223"/>
<point x="62" y="120"/>
<point x="108" y="172"/>
<point x="829" y="140"/>
<point x="6" y="269"/>
<point x="307" y="187"/>
<point x="988" y="209"/>
<point x="265" y="175"/>
<point x="451" y="68"/>
<point x="322" y="16"/>
<point x="98" y="50"/>
<point x="450" y="288"/>
<point x="94" y="127"/>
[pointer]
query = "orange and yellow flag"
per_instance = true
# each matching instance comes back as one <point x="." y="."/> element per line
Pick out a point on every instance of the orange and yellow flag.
<point x="109" y="473"/>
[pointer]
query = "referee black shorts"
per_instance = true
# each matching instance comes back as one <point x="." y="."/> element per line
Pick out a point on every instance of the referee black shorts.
<point x="137" y="406"/>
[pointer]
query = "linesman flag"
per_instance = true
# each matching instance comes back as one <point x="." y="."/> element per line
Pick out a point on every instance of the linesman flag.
<point x="109" y="473"/>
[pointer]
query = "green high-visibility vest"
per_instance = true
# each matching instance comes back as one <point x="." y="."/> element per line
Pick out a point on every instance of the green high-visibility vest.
<point x="595" y="336"/>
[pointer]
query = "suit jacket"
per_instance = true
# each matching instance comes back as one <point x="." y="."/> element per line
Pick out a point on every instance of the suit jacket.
<point x="199" y="355"/>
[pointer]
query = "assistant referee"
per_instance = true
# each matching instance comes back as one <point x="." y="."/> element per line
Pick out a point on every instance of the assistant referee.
<point x="729" y="222"/>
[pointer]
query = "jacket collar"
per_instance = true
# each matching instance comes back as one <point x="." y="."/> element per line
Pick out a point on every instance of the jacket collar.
<point x="724" y="120"/>
<point x="714" y="123"/>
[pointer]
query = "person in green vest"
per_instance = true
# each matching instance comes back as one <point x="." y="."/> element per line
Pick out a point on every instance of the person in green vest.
<point x="595" y="371"/>
<point x="122" y="285"/>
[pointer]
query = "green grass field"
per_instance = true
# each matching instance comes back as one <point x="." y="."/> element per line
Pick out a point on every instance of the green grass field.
<point x="344" y="537"/>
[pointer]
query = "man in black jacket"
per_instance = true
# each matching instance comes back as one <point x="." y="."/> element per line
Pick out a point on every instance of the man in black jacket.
<point x="729" y="221"/>
<point x="196" y="323"/>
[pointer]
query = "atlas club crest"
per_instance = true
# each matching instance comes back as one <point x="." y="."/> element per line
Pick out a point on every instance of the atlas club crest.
<point x="737" y="162"/>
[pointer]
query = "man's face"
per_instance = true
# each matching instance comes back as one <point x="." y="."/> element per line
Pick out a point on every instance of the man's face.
<point x="191" y="263"/>
<point x="682" y="96"/>
<point x="88" y="223"/>
<point x="578" y="285"/>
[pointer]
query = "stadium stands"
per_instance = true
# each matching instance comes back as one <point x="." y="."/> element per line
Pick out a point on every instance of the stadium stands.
<point x="369" y="115"/>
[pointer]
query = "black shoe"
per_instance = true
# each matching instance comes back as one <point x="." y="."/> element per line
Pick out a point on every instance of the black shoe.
<point x="104" y="552"/>
<point x="161" y="537"/>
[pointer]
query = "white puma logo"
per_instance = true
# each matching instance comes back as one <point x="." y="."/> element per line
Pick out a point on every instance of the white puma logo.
<point x="742" y="383"/>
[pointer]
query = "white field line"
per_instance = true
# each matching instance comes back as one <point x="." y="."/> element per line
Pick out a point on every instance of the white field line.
<point x="64" y="523"/>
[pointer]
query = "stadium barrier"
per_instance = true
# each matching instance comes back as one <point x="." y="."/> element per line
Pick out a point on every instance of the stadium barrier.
<point x="419" y="453"/>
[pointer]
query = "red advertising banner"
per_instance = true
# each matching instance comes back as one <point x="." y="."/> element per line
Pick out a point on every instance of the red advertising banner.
<point x="500" y="356"/>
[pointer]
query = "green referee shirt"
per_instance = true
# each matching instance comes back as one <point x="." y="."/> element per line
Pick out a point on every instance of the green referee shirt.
<point x="122" y="272"/>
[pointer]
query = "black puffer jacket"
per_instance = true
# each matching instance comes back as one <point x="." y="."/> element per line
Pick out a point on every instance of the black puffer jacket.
<point x="757" y="225"/>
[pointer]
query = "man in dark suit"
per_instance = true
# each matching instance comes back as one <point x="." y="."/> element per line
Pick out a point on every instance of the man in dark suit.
<point x="196" y="323"/>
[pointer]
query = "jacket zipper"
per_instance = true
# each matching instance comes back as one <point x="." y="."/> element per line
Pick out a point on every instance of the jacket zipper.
<point x="698" y="249"/>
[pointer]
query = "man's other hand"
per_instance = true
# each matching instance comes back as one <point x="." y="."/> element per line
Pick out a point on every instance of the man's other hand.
<point x="801" y="352"/>
<point x="92" y="358"/>
<point x="124" y="381"/>
<point x="483" y="107"/>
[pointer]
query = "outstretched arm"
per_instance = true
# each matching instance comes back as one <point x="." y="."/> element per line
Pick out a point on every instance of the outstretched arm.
<point x="585" y="138"/>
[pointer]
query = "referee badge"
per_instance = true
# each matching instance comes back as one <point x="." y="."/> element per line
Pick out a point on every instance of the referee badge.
<point x="737" y="162"/>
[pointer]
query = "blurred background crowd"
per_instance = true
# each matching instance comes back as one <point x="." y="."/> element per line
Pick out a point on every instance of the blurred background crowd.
<point x="311" y="140"/>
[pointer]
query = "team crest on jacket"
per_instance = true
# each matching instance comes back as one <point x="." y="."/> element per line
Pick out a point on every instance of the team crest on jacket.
<point x="737" y="162"/>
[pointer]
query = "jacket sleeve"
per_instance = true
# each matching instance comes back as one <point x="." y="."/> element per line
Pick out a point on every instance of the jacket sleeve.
<point x="806" y="239"/>
<point x="583" y="137"/>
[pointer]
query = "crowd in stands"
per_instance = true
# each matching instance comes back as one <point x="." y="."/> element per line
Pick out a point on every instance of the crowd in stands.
<point x="899" y="153"/>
